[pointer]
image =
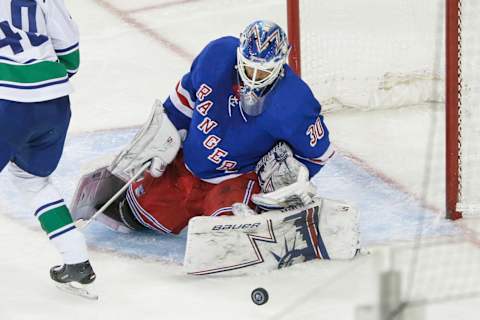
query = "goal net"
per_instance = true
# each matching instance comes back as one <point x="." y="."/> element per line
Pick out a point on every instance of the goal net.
<point x="389" y="55"/>
<point x="375" y="54"/>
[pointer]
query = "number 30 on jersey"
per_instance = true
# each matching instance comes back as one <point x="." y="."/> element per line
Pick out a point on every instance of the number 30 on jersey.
<point x="315" y="131"/>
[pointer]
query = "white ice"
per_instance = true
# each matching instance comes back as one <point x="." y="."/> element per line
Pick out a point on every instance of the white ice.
<point x="134" y="52"/>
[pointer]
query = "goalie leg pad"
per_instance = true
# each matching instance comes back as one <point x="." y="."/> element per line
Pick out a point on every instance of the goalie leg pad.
<point x="326" y="229"/>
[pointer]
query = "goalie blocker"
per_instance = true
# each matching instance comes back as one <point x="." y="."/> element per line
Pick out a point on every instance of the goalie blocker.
<point x="325" y="229"/>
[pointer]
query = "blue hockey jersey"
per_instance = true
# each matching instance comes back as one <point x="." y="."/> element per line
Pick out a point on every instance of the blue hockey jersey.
<point x="223" y="142"/>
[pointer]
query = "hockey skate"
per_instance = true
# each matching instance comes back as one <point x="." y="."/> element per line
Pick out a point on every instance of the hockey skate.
<point x="74" y="279"/>
<point x="120" y="212"/>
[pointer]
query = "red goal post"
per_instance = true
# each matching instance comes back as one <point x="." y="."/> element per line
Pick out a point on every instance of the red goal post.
<point x="452" y="106"/>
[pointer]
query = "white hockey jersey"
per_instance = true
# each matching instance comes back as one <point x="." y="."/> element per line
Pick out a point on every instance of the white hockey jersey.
<point x="39" y="50"/>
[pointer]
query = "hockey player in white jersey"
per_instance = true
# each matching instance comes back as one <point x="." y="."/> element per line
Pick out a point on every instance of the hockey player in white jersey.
<point x="39" y="52"/>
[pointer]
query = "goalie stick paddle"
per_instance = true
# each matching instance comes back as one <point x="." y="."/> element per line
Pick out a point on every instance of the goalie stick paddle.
<point x="82" y="224"/>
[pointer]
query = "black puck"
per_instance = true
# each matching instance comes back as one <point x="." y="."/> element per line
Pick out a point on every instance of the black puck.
<point x="259" y="296"/>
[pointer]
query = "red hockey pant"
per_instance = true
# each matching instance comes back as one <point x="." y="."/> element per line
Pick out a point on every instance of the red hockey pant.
<point x="167" y="203"/>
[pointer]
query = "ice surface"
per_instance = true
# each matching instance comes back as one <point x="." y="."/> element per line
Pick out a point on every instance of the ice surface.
<point x="126" y="64"/>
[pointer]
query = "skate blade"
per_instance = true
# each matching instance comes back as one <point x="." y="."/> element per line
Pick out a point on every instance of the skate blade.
<point x="77" y="289"/>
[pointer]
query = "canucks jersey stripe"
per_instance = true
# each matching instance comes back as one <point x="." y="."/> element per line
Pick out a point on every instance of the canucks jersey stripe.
<point x="71" y="61"/>
<point x="67" y="50"/>
<point x="33" y="73"/>
<point x="38" y="86"/>
<point x="8" y="60"/>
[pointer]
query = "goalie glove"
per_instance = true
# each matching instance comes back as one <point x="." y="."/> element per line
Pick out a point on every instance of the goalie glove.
<point x="283" y="179"/>
<point x="158" y="141"/>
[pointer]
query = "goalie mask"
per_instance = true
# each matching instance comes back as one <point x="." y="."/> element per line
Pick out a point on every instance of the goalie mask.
<point x="262" y="52"/>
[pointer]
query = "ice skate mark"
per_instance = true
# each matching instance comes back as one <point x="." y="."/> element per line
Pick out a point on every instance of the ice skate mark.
<point x="126" y="17"/>
<point x="162" y="5"/>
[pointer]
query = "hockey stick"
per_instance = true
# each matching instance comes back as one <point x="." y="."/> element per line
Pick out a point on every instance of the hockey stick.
<point x="82" y="224"/>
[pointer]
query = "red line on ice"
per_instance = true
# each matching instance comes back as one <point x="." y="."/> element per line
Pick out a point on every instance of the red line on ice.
<point x="126" y="17"/>
<point x="469" y="233"/>
<point x="161" y="5"/>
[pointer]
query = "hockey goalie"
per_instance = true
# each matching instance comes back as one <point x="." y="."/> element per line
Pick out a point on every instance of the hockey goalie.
<point x="230" y="153"/>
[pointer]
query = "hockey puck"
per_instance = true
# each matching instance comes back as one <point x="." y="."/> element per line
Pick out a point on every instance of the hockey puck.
<point x="259" y="296"/>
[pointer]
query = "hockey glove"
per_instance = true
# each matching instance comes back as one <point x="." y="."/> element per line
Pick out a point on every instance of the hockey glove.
<point x="283" y="179"/>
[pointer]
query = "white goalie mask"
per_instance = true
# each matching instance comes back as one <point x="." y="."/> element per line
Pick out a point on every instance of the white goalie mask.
<point x="261" y="55"/>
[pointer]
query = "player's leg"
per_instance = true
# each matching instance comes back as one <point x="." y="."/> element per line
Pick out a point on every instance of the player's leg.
<point x="160" y="204"/>
<point x="54" y="217"/>
<point x="220" y="198"/>
<point x="12" y="134"/>
<point x="6" y="153"/>
<point x="34" y="161"/>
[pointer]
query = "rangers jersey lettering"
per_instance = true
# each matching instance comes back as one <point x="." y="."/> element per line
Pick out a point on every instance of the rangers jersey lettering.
<point x="222" y="141"/>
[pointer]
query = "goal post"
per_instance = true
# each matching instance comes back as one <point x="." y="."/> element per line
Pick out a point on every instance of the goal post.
<point x="293" y="24"/>
<point x="452" y="104"/>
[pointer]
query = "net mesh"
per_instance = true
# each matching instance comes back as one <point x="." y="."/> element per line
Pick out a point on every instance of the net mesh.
<point x="469" y="199"/>
<point x="372" y="54"/>
<point x="376" y="54"/>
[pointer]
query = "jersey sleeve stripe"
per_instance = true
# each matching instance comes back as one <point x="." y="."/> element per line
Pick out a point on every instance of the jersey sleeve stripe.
<point x="183" y="107"/>
<point x="323" y="159"/>
<point x="71" y="61"/>
<point x="185" y="95"/>
<point x="67" y="50"/>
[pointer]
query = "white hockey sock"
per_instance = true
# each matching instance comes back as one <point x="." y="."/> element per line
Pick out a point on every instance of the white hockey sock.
<point x="52" y="213"/>
<point x="71" y="246"/>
